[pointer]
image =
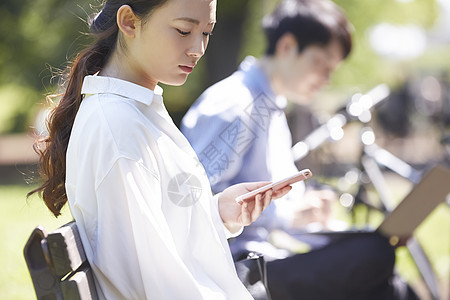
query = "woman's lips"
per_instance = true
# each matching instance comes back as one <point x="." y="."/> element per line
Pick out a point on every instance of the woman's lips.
<point x="186" y="69"/>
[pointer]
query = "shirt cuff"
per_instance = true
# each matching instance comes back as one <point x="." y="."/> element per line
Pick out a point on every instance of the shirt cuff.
<point x="228" y="234"/>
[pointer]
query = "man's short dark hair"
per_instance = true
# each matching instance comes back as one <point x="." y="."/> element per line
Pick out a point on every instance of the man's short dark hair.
<point x="312" y="22"/>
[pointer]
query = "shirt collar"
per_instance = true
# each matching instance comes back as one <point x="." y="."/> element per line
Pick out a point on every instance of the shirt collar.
<point x="252" y="70"/>
<point x="94" y="84"/>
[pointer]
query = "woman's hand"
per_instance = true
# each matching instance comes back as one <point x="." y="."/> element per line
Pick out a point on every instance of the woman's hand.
<point x="235" y="215"/>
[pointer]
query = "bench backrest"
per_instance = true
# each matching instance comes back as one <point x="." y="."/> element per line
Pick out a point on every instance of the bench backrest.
<point x="59" y="269"/>
<point x="58" y="266"/>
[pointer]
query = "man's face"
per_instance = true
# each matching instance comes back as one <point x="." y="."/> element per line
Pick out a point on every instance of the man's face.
<point x="305" y="73"/>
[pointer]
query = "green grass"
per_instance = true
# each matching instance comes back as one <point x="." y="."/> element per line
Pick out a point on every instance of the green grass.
<point x="19" y="216"/>
<point x="434" y="237"/>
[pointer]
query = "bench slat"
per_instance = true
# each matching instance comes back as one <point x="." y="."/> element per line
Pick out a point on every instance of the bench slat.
<point x="58" y="266"/>
<point x="66" y="249"/>
<point x="45" y="281"/>
<point x="80" y="286"/>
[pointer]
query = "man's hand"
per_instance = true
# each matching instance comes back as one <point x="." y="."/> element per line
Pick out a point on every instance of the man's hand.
<point x="235" y="215"/>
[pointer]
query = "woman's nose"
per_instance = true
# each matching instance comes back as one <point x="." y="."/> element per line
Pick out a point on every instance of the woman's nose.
<point x="197" y="48"/>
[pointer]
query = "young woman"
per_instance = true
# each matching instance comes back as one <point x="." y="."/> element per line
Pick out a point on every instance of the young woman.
<point x="142" y="201"/>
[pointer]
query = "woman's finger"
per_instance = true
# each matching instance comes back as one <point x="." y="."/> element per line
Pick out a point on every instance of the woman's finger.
<point x="245" y="214"/>
<point x="267" y="198"/>
<point x="281" y="192"/>
<point x="259" y="206"/>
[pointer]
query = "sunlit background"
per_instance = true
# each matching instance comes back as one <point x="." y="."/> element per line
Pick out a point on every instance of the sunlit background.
<point x="401" y="44"/>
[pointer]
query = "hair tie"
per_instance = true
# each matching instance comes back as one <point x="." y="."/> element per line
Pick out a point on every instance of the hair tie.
<point x="102" y="20"/>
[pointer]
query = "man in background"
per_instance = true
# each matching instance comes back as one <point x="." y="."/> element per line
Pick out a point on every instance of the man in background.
<point x="239" y="130"/>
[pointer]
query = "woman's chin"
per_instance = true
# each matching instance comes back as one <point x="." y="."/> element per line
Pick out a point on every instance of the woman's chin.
<point x="175" y="81"/>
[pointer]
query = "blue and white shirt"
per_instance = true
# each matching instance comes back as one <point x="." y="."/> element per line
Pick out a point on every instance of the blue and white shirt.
<point x="240" y="133"/>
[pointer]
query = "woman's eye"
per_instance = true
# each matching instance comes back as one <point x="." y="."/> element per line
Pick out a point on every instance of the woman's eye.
<point x="183" y="33"/>
<point x="208" y="34"/>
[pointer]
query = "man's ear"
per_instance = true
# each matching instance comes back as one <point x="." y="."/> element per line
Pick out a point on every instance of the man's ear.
<point x="127" y="21"/>
<point x="287" y="45"/>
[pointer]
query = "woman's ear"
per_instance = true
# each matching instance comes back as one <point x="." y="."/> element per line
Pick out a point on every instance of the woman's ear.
<point x="127" y="21"/>
<point x="287" y="45"/>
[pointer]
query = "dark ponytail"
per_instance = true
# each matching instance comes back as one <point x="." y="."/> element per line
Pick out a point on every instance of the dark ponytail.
<point x="52" y="148"/>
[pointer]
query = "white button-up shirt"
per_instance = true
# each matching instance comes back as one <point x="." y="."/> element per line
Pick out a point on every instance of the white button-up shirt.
<point x="142" y="201"/>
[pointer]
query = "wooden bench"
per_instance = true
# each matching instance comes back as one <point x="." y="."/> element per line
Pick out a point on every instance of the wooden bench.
<point x="59" y="269"/>
<point x="58" y="266"/>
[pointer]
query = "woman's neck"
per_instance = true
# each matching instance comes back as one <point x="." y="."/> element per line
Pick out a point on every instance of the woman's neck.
<point x="120" y="67"/>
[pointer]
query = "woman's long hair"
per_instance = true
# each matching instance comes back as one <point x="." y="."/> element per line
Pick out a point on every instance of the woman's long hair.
<point x="52" y="148"/>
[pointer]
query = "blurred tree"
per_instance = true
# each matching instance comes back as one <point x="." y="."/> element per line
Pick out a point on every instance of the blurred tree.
<point x="46" y="33"/>
<point x="365" y="68"/>
<point x="36" y="37"/>
<point x="222" y="55"/>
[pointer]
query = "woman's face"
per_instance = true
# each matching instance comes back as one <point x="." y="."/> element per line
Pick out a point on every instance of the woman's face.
<point x="170" y="42"/>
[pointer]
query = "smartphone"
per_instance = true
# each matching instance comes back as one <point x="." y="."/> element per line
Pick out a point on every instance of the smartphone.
<point x="301" y="175"/>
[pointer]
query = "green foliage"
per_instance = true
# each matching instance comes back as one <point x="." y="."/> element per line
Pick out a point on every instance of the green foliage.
<point x="38" y="37"/>
<point x="15" y="112"/>
<point x="253" y="35"/>
<point x="365" y="68"/>
<point x="44" y="33"/>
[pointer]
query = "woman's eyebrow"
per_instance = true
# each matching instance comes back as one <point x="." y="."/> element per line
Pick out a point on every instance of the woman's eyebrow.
<point x="191" y="20"/>
<point x="187" y="19"/>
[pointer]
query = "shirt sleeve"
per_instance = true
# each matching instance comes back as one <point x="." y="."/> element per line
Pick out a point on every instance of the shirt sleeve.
<point x="131" y="247"/>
